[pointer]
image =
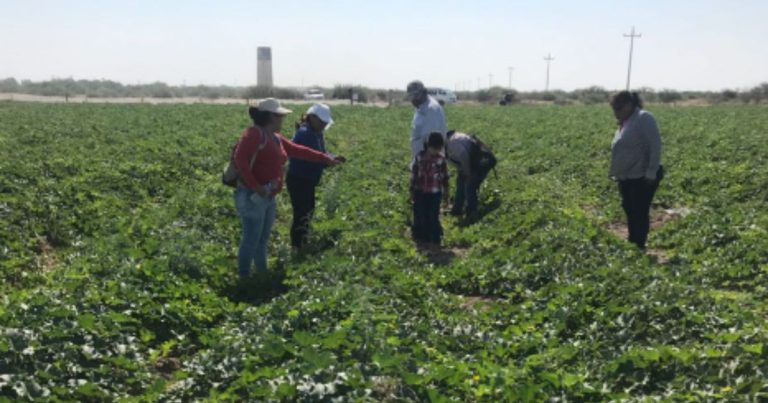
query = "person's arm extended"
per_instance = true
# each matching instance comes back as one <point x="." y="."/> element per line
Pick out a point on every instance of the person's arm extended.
<point x="305" y="153"/>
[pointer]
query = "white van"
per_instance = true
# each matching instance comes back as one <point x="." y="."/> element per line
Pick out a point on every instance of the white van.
<point x="314" y="94"/>
<point x="442" y="95"/>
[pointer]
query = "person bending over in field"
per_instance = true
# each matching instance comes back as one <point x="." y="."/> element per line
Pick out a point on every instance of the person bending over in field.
<point x="304" y="176"/>
<point x="429" y="184"/>
<point x="259" y="156"/>
<point x="427" y="119"/>
<point x="635" y="162"/>
<point x="473" y="161"/>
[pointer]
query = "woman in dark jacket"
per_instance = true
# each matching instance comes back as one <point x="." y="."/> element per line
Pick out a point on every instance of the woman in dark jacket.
<point x="304" y="176"/>
<point x="635" y="162"/>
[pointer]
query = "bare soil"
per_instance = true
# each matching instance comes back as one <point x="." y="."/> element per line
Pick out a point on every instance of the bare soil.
<point x="659" y="218"/>
<point x="46" y="259"/>
<point x="444" y="255"/>
<point x="478" y="302"/>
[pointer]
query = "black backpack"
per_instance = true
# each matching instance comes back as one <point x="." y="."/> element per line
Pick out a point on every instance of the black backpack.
<point x="230" y="176"/>
<point x="480" y="156"/>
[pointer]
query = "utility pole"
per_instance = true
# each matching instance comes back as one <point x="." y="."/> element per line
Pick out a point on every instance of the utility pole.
<point x="631" y="37"/>
<point x="478" y="83"/>
<point x="549" y="58"/>
<point x="510" y="76"/>
<point x="490" y="80"/>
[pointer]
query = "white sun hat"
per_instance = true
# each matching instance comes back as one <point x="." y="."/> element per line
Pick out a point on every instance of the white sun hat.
<point x="272" y="105"/>
<point x="323" y="112"/>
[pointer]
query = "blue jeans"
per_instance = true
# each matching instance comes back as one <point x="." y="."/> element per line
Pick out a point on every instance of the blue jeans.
<point x="256" y="219"/>
<point x="468" y="188"/>
<point x="426" y="217"/>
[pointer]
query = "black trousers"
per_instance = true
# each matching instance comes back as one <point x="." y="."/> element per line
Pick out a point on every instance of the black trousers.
<point x="636" y="198"/>
<point x="426" y="217"/>
<point x="302" y="192"/>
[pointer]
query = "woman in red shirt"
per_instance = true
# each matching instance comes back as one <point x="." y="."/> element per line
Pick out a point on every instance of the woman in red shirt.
<point x="259" y="157"/>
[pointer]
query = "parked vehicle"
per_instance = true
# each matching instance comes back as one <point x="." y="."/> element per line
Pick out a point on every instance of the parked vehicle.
<point x="442" y="95"/>
<point x="507" y="99"/>
<point x="314" y="94"/>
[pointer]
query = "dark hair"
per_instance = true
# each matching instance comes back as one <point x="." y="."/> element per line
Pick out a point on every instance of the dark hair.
<point x="304" y="120"/>
<point x="259" y="118"/>
<point x="450" y="134"/>
<point x="435" y="140"/>
<point x="624" y="97"/>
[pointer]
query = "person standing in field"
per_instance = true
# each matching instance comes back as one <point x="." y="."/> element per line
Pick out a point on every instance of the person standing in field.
<point x="635" y="162"/>
<point x="429" y="184"/>
<point x="259" y="157"/>
<point x="304" y="176"/>
<point x="427" y="119"/>
<point x="473" y="161"/>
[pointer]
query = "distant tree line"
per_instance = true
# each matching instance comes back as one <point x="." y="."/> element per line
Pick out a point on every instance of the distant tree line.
<point x="597" y="95"/>
<point x="113" y="89"/>
<point x="66" y="87"/>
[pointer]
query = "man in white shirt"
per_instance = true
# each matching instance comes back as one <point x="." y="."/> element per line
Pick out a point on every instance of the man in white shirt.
<point x="427" y="119"/>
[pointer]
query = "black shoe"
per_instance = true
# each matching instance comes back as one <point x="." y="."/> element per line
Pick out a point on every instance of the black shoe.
<point x="472" y="216"/>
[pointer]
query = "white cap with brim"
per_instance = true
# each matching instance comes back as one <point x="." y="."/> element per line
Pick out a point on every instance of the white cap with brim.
<point x="273" y="106"/>
<point x="323" y="112"/>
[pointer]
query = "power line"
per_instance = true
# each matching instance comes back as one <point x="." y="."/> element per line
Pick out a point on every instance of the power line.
<point x="549" y="58"/>
<point x="631" y="37"/>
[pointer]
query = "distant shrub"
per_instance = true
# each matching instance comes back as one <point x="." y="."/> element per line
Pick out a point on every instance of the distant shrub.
<point x="723" y="96"/>
<point x="548" y="96"/>
<point x="382" y="95"/>
<point x="591" y="95"/>
<point x="160" y="90"/>
<point x="669" y="96"/>
<point x="344" y="91"/>
<point x="756" y="95"/>
<point x="9" y="85"/>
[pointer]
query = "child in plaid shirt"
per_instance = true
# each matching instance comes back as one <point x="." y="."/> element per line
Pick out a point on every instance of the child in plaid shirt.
<point x="429" y="183"/>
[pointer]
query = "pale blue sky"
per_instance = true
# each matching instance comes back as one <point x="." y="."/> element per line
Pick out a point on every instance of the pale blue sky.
<point x="706" y="44"/>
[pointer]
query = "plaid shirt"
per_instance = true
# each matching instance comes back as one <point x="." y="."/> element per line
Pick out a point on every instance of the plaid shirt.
<point x="429" y="173"/>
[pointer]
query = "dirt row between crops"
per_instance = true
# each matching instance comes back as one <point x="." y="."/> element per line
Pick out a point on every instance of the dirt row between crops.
<point x="659" y="218"/>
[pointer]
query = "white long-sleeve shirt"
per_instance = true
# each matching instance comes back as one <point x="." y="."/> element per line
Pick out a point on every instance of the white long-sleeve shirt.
<point x="457" y="151"/>
<point x="428" y="118"/>
<point x="636" y="148"/>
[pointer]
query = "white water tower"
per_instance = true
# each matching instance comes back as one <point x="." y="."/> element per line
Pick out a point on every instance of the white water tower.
<point x="264" y="67"/>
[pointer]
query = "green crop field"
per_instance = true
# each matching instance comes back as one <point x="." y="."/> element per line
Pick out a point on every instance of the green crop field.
<point x="118" y="244"/>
